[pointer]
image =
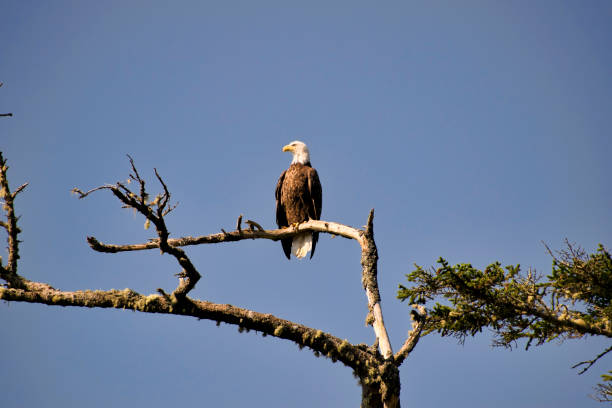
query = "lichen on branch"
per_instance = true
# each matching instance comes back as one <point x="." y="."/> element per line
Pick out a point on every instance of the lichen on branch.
<point x="8" y="272"/>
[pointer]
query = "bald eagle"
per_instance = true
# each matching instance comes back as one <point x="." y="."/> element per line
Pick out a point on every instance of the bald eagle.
<point x="298" y="199"/>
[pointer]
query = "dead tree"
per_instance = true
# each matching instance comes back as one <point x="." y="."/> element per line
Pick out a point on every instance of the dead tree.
<point x="376" y="366"/>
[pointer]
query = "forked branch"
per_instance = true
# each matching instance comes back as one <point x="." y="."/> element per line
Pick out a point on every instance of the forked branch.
<point x="587" y="364"/>
<point x="154" y="212"/>
<point x="365" y="238"/>
<point x="377" y="370"/>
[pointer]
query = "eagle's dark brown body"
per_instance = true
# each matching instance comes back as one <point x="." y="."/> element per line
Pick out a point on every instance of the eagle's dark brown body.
<point x="298" y="199"/>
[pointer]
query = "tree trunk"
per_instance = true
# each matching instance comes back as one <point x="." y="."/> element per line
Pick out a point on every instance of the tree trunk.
<point x="381" y="387"/>
<point x="370" y="396"/>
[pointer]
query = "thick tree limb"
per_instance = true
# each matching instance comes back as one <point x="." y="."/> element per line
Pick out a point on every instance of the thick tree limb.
<point x="355" y="357"/>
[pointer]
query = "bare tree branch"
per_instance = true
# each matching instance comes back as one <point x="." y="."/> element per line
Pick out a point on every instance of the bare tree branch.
<point x="369" y="258"/>
<point x="235" y="236"/>
<point x="154" y="211"/>
<point x="9" y="273"/>
<point x="418" y="322"/>
<point x="589" y="363"/>
<point x="369" y="279"/>
<point x="189" y="276"/>
<point x="355" y="357"/>
<point x="239" y="223"/>
<point x="364" y="238"/>
<point x="378" y="371"/>
<point x="252" y="225"/>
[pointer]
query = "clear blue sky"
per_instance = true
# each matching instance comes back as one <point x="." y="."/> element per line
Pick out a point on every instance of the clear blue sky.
<point x="476" y="131"/>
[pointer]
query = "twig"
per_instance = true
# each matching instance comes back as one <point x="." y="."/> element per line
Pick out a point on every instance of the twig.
<point x="19" y="189"/>
<point x="136" y="176"/>
<point x="253" y="224"/>
<point x="83" y="194"/>
<point x="591" y="362"/>
<point x="238" y="223"/>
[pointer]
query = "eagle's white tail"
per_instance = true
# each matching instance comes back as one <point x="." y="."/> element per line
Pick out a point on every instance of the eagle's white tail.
<point x="301" y="244"/>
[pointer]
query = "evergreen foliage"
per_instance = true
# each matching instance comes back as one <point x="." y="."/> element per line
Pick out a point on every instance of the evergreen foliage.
<point x="574" y="301"/>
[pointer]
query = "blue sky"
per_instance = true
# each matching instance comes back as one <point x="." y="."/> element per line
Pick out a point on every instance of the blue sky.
<point x="476" y="131"/>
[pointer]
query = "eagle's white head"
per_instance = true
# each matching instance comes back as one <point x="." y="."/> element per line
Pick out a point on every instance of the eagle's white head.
<point x="300" y="152"/>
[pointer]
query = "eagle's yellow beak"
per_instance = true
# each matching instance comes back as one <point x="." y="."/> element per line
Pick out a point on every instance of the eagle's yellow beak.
<point x="288" y="148"/>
